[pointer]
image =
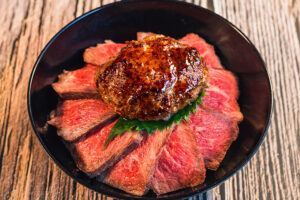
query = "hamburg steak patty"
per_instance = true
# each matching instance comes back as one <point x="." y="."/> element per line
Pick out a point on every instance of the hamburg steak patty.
<point x="152" y="78"/>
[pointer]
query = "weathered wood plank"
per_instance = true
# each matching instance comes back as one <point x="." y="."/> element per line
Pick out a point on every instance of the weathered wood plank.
<point x="26" y="172"/>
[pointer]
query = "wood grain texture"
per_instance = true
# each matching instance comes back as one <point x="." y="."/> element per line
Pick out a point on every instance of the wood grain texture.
<point x="26" y="172"/>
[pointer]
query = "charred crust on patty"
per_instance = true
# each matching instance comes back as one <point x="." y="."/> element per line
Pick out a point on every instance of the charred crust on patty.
<point x="152" y="78"/>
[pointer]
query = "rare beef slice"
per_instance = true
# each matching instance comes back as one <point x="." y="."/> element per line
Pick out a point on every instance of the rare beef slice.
<point x="92" y="158"/>
<point x="77" y="84"/>
<point x="74" y="118"/>
<point x="181" y="163"/>
<point x="133" y="173"/>
<point x="101" y="53"/>
<point x="222" y="94"/>
<point x="214" y="133"/>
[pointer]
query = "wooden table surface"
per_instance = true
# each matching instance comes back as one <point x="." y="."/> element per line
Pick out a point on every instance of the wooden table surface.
<point x="27" y="172"/>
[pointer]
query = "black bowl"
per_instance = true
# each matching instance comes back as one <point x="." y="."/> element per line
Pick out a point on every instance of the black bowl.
<point x="120" y="22"/>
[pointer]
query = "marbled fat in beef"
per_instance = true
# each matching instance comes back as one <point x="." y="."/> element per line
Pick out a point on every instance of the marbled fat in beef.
<point x="92" y="158"/>
<point x="133" y="173"/>
<point x="222" y="94"/>
<point x="181" y="163"/>
<point x="214" y="133"/>
<point x="74" y="118"/>
<point x="77" y="84"/>
<point x="101" y="53"/>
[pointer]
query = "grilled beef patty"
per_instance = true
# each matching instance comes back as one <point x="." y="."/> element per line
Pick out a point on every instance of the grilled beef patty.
<point x="152" y="78"/>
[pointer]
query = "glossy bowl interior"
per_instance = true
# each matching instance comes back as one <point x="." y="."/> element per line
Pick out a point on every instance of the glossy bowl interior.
<point x="120" y="22"/>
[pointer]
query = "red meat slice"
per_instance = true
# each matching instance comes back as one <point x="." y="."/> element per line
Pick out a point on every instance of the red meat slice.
<point x="102" y="52"/>
<point x="181" y="163"/>
<point x="77" y="84"/>
<point x="90" y="156"/>
<point x="206" y="50"/>
<point x="74" y="118"/>
<point x="132" y="174"/>
<point x="222" y="94"/>
<point x="214" y="133"/>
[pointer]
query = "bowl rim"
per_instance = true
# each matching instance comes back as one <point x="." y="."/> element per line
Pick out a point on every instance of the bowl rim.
<point x="123" y="3"/>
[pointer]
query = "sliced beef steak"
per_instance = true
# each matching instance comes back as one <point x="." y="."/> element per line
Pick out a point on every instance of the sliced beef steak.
<point x="132" y="174"/>
<point x="222" y="94"/>
<point x="206" y="50"/>
<point x="225" y="81"/>
<point x="214" y="133"/>
<point x="102" y="52"/>
<point x="90" y="156"/>
<point x="74" y="118"/>
<point x="77" y="84"/>
<point x="181" y="163"/>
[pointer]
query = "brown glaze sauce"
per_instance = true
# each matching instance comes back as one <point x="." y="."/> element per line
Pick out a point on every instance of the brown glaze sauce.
<point x="152" y="78"/>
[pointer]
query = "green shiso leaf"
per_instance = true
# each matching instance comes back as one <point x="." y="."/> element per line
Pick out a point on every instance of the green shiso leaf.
<point x="120" y="127"/>
<point x="123" y="125"/>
